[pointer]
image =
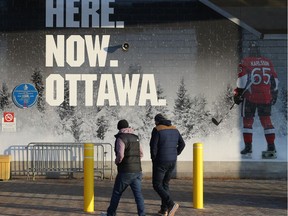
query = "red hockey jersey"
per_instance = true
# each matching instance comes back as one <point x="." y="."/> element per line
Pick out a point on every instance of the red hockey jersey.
<point x="256" y="73"/>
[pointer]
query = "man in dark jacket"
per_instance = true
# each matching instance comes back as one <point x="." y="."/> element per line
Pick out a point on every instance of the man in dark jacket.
<point x="165" y="145"/>
<point x="128" y="153"/>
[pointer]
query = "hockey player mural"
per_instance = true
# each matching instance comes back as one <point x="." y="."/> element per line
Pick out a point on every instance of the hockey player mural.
<point x="95" y="62"/>
<point x="257" y="90"/>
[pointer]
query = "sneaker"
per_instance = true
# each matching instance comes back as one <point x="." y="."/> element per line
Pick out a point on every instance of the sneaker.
<point x="162" y="212"/>
<point x="171" y="211"/>
<point x="103" y="214"/>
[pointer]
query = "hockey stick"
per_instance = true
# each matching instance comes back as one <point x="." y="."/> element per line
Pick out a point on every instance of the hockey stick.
<point x="218" y="122"/>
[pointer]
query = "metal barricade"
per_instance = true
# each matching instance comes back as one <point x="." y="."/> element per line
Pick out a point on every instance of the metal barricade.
<point x="55" y="159"/>
<point x="18" y="154"/>
<point x="101" y="162"/>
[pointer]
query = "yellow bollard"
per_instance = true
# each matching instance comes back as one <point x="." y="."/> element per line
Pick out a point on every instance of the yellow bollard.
<point x="88" y="177"/>
<point x="197" y="175"/>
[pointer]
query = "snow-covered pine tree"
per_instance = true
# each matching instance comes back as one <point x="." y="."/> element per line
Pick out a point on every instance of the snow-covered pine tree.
<point x="283" y="100"/>
<point x="182" y="108"/>
<point x="111" y="120"/>
<point x="4" y="97"/>
<point x="279" y="115"/>
<point x="66" y="111"/>
<point x="199" y="118"/>
<point x="75" y="128"/>
<point x="183" y="100"/>
<point x="37" y="80"/>
<point x="103" y="126"/>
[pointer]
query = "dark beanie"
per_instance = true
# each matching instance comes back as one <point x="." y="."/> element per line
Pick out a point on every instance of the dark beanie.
<point x="159" y="118"/>
<point x="122" y="124"/>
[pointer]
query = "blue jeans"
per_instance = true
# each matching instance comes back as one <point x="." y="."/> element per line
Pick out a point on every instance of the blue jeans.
<point x="162" y="173"/>
<point x="122" y="181"/>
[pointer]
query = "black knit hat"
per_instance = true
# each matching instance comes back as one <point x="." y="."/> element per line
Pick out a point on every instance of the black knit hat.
<point x="160" y="118"/>
<point x="122" y="124"/>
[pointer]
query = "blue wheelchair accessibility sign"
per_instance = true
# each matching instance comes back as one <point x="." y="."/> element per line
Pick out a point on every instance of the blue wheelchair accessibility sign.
<point x="24" y="95"/>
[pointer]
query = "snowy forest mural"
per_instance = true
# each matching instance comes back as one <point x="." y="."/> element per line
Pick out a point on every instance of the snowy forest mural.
<point x="190" y="113"/>
<point x="194" y="63"/>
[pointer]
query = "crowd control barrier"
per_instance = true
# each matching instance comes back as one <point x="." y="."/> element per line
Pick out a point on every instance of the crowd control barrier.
<point x="18" y="159"/>
<point x="55" y="159"/>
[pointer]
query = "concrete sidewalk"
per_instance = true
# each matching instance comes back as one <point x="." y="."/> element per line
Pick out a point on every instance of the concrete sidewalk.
<point x="221" y="197"/>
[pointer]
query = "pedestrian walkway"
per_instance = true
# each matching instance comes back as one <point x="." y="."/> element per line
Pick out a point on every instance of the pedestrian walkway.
<point x="221" y="197"/>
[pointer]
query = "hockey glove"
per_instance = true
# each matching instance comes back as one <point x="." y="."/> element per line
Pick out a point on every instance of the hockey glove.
<point x="238" y="96"/>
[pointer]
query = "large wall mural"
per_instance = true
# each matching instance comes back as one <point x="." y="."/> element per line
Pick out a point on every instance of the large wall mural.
<point x="96" y="62"/>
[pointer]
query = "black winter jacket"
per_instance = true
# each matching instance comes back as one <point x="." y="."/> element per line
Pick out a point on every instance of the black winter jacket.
<point x="166" y="143"/>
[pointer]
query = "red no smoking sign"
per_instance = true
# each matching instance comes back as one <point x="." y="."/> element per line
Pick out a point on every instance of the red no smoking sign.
<point x="8" y="116"/>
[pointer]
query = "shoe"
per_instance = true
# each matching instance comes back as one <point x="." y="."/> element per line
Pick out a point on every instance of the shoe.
<point x="247" y="149"/>
<point x="103" y="214"/>
<point x="171" y="211"/>
<point x="162" y="212"/>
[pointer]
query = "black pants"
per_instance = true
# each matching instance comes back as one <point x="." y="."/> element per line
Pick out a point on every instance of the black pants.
<point x="162" y="173"/>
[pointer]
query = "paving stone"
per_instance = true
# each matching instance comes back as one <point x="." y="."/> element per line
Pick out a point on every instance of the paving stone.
<point x="235" y="197"/>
